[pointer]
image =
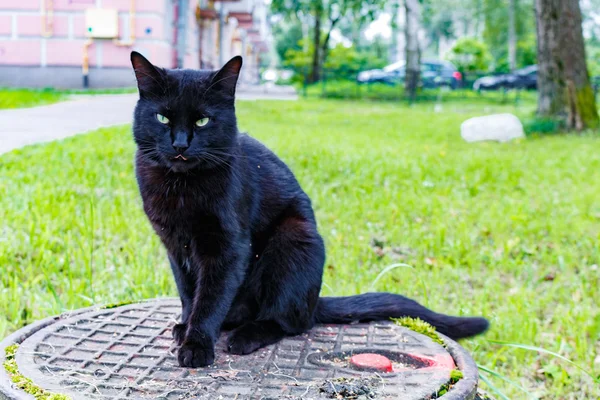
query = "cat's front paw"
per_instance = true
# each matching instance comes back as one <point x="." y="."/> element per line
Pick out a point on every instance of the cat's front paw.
<point x="195" y="355"/>
<point x="179" y="333"/>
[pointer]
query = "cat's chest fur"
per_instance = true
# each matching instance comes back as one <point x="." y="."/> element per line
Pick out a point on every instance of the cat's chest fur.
<point x="185" y="210"/>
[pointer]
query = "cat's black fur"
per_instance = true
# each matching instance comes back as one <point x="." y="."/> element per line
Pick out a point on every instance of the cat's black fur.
<point x="239" y="230"/>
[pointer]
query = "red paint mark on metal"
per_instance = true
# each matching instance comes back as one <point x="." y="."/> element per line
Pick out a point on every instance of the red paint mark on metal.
<point x="371" y="362"/>
<point x="443" y="362"/>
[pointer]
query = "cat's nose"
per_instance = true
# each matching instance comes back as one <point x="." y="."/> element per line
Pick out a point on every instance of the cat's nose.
<point x="181" y="144"/>
<point x="180" y="149"/>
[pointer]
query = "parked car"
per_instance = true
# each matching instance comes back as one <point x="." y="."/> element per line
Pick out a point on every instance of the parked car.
<point x="434" y="73"/>
<point x="525" y="78"/>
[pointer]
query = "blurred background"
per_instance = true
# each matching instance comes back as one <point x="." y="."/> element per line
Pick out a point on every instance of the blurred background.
<point x="390" y="121"/>
<point x="375" y="49"/>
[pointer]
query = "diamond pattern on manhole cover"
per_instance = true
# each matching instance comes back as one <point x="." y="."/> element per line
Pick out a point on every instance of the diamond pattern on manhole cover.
<point x="128" y="353"/>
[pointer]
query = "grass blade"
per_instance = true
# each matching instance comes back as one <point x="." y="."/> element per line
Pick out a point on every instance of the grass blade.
<point x="492" y="387"/>
<point x="541" y="350"/>
<point x="388" y="269"/>
<point x="330" y="288"/>
<point x="505" y="379"/>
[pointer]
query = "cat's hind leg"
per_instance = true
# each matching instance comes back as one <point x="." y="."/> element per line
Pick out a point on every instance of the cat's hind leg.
<point x="254" y="335"/>
<point x="288" y="274"/>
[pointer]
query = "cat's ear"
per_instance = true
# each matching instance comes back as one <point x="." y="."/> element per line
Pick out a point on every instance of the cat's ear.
<point x="149" y="78"/>
<point x="226" y="78"/>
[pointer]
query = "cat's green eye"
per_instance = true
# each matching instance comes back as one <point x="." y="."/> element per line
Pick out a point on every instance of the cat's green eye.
<point x="162" y="119"/>
<point x="203" y="121"/>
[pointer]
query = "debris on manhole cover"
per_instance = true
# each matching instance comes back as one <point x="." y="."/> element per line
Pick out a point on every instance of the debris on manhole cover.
<point x="344" y="388"/>
<point x="127" y="352"/>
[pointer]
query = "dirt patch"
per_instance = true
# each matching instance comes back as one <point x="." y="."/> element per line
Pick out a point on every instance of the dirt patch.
<point x="382" y="248"/>
<point x="344" y="388"/>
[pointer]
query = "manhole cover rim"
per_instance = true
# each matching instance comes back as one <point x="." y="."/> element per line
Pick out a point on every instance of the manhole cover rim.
<point x="465" y="389"/>
<point x="7" y="389"/>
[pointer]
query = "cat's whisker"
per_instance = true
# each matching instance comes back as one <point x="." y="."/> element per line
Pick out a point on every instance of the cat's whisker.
<point x="221" y="159"/>
<point x="217" y="153"/>
<point x="218" y="162"/>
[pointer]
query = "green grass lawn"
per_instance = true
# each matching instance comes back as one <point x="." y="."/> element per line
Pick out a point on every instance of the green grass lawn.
<point x="19" y="98"/>
<point x="510" y="231"/>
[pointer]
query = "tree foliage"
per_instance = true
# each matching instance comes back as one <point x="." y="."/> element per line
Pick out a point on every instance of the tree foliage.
<point x="495" y="34"/>
<point x="486" y="20"/>
<point x="324" y="16"/>
<point x="342" y="60"/>
<point x="442" y="22"/>
<point x="288" y="36"/>
<point x="470" y="55"/>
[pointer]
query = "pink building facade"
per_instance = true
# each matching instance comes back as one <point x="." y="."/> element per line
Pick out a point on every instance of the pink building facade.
<point x="52" y="43"/>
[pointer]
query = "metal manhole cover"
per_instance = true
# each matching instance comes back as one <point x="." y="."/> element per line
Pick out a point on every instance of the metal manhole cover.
<point x="127" y="352"/>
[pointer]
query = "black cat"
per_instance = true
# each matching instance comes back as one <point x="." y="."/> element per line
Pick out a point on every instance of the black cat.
<point x="240" y="233"/>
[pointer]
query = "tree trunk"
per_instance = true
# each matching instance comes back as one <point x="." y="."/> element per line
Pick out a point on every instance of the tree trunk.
<point x="512" y="35"/>
<point x="413" y="51"/>
<point x="551" y="86"/>
<point x="397" y="45"/>
<point x="325" y="45"/>
<point x="305" y="20"/>
<point x="582" y="112"/>
<point x="356" y="33"/>
<point x="316" y="61"/>
<point x="563" y="79"/>
<point x="479" y="16"/>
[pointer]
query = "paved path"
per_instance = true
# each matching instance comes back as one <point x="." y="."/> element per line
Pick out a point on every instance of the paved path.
<point x="25" y="126"/>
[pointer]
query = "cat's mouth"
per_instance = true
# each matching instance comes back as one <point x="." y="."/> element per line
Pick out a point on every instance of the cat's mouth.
<point x="180" y="157"/>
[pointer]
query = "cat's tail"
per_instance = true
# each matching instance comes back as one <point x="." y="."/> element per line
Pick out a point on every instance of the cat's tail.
<point x="383" y="306"/>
